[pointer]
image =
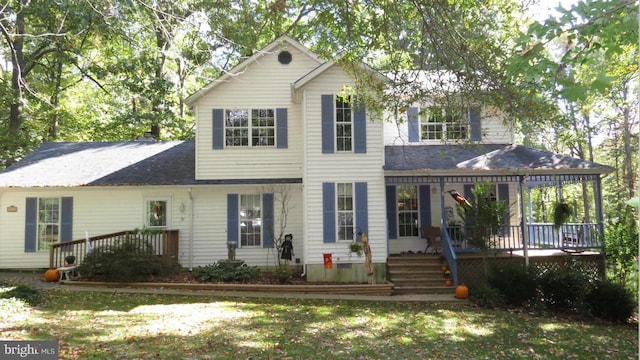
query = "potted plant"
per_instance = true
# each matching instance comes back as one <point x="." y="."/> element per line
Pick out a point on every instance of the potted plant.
<point x="447" y="278"/>
<point x="356" y="247"/>
<point x="561" y="214"/>
<point x="69" y="260"/>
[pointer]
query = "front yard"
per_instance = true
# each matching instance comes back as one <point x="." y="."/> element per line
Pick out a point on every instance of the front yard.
<point x="94" y="325"/>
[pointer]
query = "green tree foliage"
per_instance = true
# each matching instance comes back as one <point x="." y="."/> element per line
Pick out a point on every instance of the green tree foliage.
<point x="112" y="70"/>
<point x="485" y="219"/>
<point x="585" y="60"/>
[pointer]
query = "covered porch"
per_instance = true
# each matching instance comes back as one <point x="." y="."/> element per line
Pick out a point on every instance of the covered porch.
<point x="418" y="184"/>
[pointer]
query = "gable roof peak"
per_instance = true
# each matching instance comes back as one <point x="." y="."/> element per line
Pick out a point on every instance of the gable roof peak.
<point x="283" y="41"/>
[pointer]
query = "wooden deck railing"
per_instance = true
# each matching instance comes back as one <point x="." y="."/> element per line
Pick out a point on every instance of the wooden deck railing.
<point x="164" y="243"/>
<point x="573" y="236"/>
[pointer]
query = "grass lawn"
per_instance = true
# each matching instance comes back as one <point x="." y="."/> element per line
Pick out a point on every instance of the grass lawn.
<point x="95" y="325"/>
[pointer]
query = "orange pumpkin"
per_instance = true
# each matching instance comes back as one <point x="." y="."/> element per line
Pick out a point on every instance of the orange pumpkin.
<point x="462" y="292"/>
<point x="443" y="268"/>
<point x="448" y="282"/>
<point x="52" y="275"/>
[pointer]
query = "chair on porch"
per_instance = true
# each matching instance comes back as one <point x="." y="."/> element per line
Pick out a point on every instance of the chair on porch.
<point x="433" y="235"/>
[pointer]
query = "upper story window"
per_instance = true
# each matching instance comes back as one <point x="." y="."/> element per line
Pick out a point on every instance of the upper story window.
<point x="344" y="124"/>
<point x="444" y="124"/>
<point x="250" y="127"/>
<point x="48" y="222"/>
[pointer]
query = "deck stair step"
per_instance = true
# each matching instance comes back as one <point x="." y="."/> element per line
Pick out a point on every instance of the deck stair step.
<point x="417" y="274"/>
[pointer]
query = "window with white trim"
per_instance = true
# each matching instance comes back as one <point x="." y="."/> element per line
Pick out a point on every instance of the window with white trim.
<point x="407" y="210"/>
<point x="344" y="123"/>
<point x="346" y="211"/>
<point x="156" y="213"/>
<point x="444" y="124"/>
<point x="250" y="220"/>
<point x="250" y="127"/>
<point x="48" y="222"/>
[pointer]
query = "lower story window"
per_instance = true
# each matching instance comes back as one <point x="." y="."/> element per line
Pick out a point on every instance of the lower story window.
<point x="250" y="220"/>
<point x="408" y="211"/>
<point x="48" y="222"/>
<point x="345" y="211"/>
<point x="156" y="215"/>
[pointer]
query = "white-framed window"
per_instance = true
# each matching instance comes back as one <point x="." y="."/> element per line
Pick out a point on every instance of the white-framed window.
<point x="250" y="220"/>
<point x="48" y="222"/>
<point x="407" y="210"/>
<point x="156" y="213"/>
<point x="346" y="211"/>
<point x="344" y="123"/>
<point x="444" y="124"/>
<point x="250" y="127"/>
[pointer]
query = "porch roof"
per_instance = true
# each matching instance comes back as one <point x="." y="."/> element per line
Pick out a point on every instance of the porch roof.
<point x="483" y="158"/>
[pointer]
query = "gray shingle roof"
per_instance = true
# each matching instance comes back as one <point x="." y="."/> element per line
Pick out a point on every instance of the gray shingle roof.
<point x="103" y="163"/>
<point x="112" y="164"/>
<point x="482" y="157"/>
<point x="173" y="163"/>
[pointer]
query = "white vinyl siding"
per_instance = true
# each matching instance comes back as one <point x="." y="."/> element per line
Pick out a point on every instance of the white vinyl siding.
<point x="341" y="167"/>
<point x="264" y="84"/>
<point x="495" y="130"/>
<point x="122" y="208"/>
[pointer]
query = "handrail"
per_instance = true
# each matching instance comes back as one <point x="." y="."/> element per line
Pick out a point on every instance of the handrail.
<point x="571" y="236"/>
<point x="449" y="253"/>
<point x="165" y="242"/>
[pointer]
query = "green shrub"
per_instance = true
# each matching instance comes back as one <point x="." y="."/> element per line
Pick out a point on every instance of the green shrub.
<point x="563" y="289"/>
<point x="132" y="259"/>
<point x="610" y="301"/>
<point x="22" y="292"/>
<point x="486" y="297"/>
<point x="219" y="273"/>
<point x="283" y="273"/>
<point x="516" y="284"/>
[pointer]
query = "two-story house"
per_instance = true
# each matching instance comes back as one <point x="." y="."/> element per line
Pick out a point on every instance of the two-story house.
<point x="282" y="148"/>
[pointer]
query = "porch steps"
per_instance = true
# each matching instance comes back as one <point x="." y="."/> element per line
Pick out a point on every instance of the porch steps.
<point x="417" y="274"/>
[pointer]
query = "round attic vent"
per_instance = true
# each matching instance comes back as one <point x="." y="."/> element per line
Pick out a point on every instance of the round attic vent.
<point x="284" y="57"/>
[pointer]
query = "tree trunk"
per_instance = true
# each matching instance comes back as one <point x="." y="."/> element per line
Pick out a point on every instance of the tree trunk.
<point x="18" y="64"/>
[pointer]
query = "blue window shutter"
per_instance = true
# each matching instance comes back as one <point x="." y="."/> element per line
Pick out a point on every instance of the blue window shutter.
<point x="359" y="127"/>
<point x="413" y="124"/>
<point x="503" y="192"/>
<point x="328" y="137"/>
<point x="328" y="212"/>
<point x="218" y="128"/>
<point x="424" y="198"/>
<point x="503" y="195"/>
<point x="392" y="216"/>
<point x="31" y="225"/>
<point x="281" y="128"/>
<point x="362" y="207"/>
<point x="233" y="213"/>
<point x="475" y="123"/>
<point x="267" y="221"/>
<point x="66" y="219"/>
<point x="467" y="191"/>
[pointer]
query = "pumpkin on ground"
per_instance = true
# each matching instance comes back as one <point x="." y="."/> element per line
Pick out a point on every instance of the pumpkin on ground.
<point x="52" y="275"/>
<point x="462" y="292"/>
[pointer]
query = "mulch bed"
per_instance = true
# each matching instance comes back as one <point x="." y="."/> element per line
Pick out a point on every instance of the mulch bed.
<point x="265" y="278"/>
